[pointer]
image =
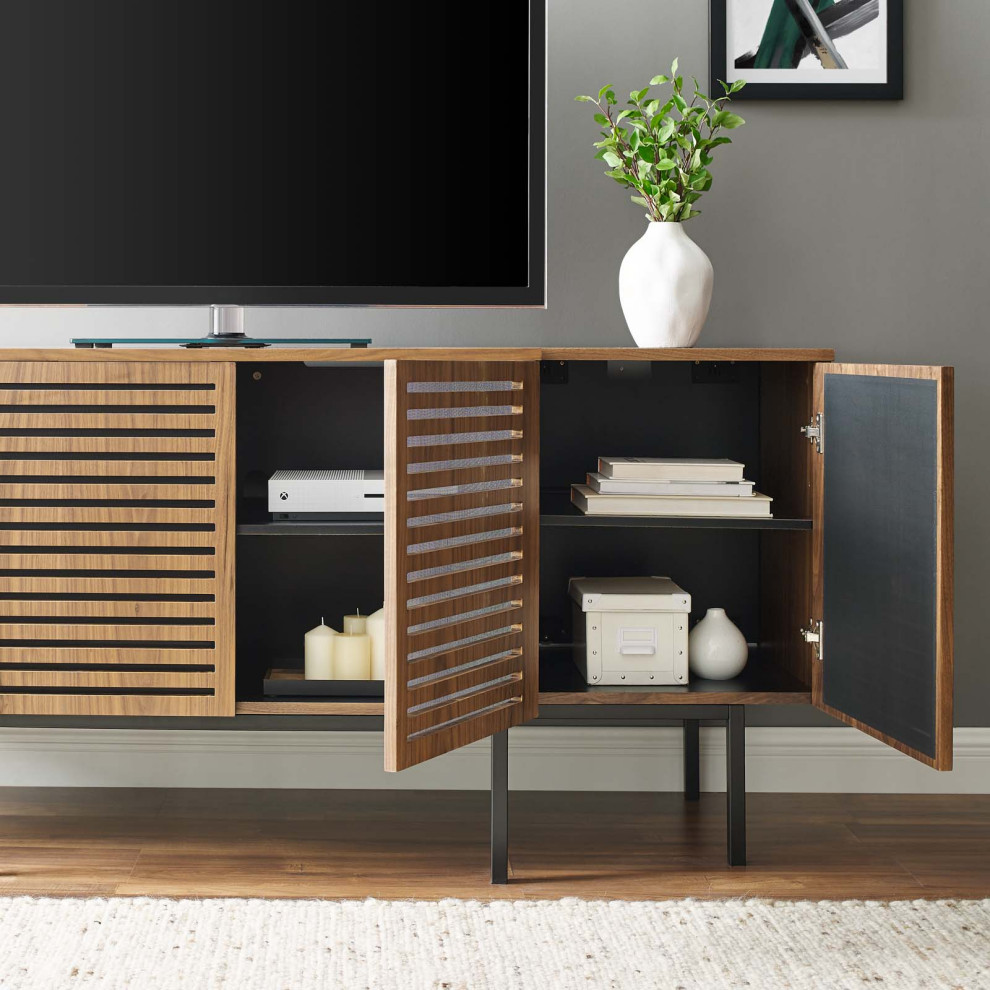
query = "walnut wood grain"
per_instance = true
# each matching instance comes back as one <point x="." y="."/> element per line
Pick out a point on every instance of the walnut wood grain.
<point x="108" y="561"/>
<point x="109" y="654"/>
<point x="310" y="708"/>
<point x="87" y="397"/>
<point x="547" y="698"/>
<point x="97" y="489"/>
<point x="26" y="539"/>
<point x="786" y="601"/>
<point x="49" y="569"/>
<point x="51" y="367"/>
<point x="657" y="696"/>
<point x="143" y="446"/>
<point x="125" y="705"/>
<point x="341" y="355"/>
<point x="943" y="377"/>
<point x="104" y="585"/>
<point x="162" y="471"/>
<point x="51" y="421"/>
<point x="199" y="613"/>
<point x="444" y="354"/>
<point x="225" y="543"/>
<point x="425" y="718"/>
<point x="693" y="354"/>
<point x="47" y="514"/>
<point x="99" y="631"/>
<point x="786" y="400"/>
<point x="787" y="559"/>
<point x="81" y="680"/>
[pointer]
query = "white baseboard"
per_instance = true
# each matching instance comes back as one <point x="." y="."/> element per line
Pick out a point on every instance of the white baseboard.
<point x="598" y="759"/>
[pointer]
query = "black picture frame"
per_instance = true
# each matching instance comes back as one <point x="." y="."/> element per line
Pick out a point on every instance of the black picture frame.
<point x="892" y="89"/>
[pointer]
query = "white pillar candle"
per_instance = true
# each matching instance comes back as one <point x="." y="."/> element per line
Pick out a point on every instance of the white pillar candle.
<point x="352" y="657"/>
<point x="318" y="651"/>
<point x="355" y="623"/>
<point x="376" y="630"/>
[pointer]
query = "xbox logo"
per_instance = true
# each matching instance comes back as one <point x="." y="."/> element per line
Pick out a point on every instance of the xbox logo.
<point x="283" y="495"/>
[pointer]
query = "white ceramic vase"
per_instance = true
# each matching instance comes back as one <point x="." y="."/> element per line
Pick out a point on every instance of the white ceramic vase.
<point x="717" y="650"/>
<point x="665" y="287"/>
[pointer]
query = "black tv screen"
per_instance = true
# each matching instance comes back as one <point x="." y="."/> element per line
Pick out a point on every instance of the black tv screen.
<point x="272" y="152"/>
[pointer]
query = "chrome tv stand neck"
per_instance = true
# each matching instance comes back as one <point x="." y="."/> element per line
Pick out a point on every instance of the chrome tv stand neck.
<point x="226" y="322"/>
<point x="226" y="329"/>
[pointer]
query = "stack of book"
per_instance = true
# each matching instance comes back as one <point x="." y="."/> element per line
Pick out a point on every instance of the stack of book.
<point x="669" y="486"/>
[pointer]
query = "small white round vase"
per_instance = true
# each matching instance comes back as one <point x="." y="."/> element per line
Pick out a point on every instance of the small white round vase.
<point x="665" y="287"/>
<point x="717" y="650"/>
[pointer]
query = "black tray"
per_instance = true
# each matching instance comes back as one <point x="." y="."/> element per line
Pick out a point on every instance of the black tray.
<point x="291" y="683"/>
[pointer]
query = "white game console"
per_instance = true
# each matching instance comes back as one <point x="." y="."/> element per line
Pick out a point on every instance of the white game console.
<point x="333" y="494"/>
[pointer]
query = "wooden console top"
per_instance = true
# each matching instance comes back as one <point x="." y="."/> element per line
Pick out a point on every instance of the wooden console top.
<point x="366" y="354"/>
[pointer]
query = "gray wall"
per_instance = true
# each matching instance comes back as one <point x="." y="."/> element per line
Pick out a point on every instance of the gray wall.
<point x="858" y="226"/>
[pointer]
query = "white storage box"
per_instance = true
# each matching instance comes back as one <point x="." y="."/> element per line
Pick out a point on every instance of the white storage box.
<point x="630" y="630"/>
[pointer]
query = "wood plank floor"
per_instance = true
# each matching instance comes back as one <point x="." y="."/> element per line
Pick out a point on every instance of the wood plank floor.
<point x="401" y="844"/>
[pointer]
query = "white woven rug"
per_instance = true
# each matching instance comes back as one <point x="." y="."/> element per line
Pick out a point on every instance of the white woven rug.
<point x="48" y="944"/>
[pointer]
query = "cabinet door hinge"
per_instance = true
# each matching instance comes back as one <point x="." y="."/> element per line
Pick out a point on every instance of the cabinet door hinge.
<point x="815" y="432"/>
<point x="816" y="634"/>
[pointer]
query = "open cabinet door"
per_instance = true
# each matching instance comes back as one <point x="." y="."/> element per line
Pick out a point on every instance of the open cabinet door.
<point x="883" y="554"/>
<point x="461" y="558"/>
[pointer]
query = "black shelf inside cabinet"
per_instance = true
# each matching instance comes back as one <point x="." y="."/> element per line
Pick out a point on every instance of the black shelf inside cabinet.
<point x="556" y="509"/>
<point x="290" y="682"/>
<point x="560" y="675"/>
<point x="293" y="527"/>
<point x="254" y="519"/>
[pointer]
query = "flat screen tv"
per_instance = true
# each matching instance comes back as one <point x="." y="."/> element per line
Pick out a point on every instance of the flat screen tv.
<point x="377" y="152"/>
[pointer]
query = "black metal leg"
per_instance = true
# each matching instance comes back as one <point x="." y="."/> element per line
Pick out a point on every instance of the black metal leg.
<point x="735" y="784"/>
<point x="692" y="759"/>
<point x="500" y="807"/>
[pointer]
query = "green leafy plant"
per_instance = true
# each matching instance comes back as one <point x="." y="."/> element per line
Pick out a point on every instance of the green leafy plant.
<point x="662" y="149"/>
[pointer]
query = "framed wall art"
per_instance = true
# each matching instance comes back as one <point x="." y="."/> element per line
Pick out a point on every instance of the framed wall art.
<point x="809" y="49"/>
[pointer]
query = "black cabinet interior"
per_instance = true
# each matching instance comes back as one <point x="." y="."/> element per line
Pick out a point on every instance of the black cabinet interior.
<point x="658" y="409"/>
<point x="302" y="417"/>
<point x="718" y="568"/>
<point x="286" y="584"/>
<point x="293" y="416"/>
<point x="675" y="409"/>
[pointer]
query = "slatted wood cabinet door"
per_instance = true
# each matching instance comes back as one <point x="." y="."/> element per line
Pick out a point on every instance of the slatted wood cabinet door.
<point x="116" y="538"/>
<point x="461" y="557"/>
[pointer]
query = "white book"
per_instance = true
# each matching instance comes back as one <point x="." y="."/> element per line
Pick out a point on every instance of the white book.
<point x="757" y="506"/>
<point x="613" y="486"/>
<point x="670" y="468"/>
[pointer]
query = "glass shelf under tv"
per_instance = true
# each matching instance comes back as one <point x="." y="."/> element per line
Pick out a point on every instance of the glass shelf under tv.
<point x="220" y="342"/>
